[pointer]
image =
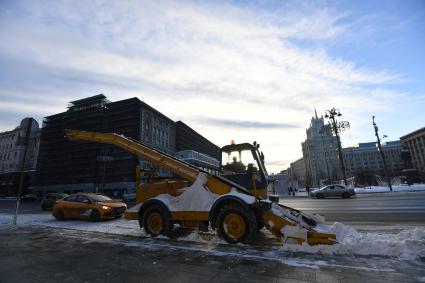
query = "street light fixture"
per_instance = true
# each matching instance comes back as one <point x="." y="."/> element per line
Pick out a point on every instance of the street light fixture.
<point x="382" y="152"/>
<point x="337" y="127"/>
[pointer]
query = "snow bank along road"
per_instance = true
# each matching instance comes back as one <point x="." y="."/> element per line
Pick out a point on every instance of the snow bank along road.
<point x="390" y="253"/>
<point x="382" y="207"/>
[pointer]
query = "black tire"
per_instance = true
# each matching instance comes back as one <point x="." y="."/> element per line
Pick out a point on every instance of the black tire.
<point x="94" y="215"/>
<point x="59" y="215"/>
<point x="156" y="221"/>
<point x="345" y="195"/>
<point x="260" y="224"/>
<point x="319" y="196"/>
<point x="249" y="227"/>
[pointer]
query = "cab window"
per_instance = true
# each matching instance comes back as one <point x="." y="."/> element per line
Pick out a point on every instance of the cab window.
<point x="82" y="199"/>
<point x="239" y="161"/>
<point x="71" y="198"/>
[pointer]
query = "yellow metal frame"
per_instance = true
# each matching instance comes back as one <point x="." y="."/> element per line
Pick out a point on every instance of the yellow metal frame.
<point x="273" y="222"/>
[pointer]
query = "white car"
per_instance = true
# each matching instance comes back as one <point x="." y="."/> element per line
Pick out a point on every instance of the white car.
<point x="333" y="191"/>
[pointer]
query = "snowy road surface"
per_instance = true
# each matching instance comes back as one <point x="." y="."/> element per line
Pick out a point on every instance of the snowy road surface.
<point x="386" y="207"/>
<point x="394" y="253"/>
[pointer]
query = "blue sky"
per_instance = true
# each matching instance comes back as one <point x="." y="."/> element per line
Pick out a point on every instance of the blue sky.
<point x="242" y="70"/>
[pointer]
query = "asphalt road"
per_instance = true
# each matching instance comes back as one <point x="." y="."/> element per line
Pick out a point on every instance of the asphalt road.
<point x="377" y="207"/>
<point x="397" y="207"/>
<point x="8" y="206"/>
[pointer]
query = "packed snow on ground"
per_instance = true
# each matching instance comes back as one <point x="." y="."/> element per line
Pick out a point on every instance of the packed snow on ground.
<point x="399" y="188"/>
<point x="117" y="226"/>
<point x="408" y="244"/>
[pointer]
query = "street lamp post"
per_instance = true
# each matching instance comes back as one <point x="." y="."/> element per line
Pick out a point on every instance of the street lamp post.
<point x="337" y="127"/>
<point x="382" y="153"/>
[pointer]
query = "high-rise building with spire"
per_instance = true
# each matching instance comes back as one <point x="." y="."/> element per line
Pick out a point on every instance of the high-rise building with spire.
<point x="320" y="153"/>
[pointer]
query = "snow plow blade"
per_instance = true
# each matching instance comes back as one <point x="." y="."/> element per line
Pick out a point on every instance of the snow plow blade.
<point x="294" y="226"/>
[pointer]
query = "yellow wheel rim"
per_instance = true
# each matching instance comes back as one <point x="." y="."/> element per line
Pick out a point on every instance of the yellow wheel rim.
<point x="234" y="225"/>
<point x="155" y="222"/>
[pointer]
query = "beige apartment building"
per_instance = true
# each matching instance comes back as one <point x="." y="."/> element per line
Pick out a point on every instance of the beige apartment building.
<point x="415" y="143"/>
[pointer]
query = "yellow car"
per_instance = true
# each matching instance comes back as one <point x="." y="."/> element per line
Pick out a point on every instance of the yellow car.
<point x="94" y="207"/>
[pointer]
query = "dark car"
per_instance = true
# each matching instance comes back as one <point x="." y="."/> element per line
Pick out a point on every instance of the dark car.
<point x="29" y="197"/>
<point x="50" y="199"/>
<point x="333" y="191"/>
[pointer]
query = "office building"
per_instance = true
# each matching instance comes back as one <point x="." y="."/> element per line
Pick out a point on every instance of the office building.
<point x="13" y="146"/>
<point x="414" y="142"/>
<point x="366" y="157"/>
<point x="71" y="166"/>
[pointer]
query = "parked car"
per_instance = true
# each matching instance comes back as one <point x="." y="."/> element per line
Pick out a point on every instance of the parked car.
<point x="333" y="191"/>
<point x="50" y="199"/>
<point x="129" y="197"/>
<point x="91" y="206"/>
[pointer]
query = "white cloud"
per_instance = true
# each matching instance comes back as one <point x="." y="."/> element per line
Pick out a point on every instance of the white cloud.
<point x="193" y="60"/>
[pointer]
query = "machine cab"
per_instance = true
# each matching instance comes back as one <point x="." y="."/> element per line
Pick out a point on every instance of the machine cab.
<point x="244" y="165"/>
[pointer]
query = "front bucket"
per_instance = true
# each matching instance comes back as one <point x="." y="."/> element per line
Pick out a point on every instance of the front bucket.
<point x="292" y="224"/>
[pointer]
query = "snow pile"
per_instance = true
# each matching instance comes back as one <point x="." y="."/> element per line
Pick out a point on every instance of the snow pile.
<point x="198" y="197"/>
<point x="194" y="198"/>
<point x="399" y="188"/>
<point x="293" y="231"/>
<point x="408" y="244"/>
<point x="285" y="213"/>
<point x="340" y="230"/>
<point x="295" y="216"/>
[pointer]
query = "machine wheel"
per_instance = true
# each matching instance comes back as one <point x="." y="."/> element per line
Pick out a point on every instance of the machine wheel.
<point x="319" y="196"/>
<point x="156" y="222"/>
<point x="345" y="195"/>
<point x="59" y="215"/>
<point x="260" y="224"/>
<point x="236" y="224"/>
<point x="94" y="216"/>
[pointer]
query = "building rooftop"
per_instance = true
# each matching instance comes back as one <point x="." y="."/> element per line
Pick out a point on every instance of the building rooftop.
<point x="91" y="99"/>
<point x="413" y="133"/>
<point x="367" y="144"/>
<point x="88" y="102"/>
<point x="373" y="145"/>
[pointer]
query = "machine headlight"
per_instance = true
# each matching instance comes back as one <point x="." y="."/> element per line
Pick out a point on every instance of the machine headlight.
<point x="105" y="207"/>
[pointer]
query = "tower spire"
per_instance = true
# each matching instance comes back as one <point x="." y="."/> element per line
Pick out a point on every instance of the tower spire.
<point x="315" y="112"/>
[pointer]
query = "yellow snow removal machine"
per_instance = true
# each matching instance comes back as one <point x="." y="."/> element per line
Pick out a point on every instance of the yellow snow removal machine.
<point x="234" y="203"/>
